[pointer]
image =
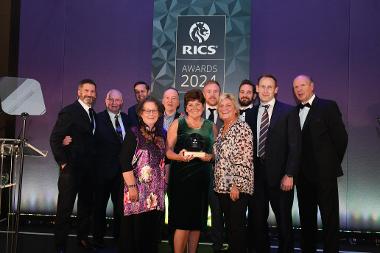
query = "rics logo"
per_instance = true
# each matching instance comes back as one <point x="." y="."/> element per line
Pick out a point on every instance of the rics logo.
<point x="199" y="32"/>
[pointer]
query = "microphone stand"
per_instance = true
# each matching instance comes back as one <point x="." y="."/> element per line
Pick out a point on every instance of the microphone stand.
<point x="24" y="116"/>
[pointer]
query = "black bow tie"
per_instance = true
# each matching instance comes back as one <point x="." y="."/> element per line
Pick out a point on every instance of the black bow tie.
<point x="243" y="111"/>
<point x="301" y="106"/>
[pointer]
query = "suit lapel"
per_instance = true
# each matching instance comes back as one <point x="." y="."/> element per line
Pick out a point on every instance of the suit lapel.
<point x="255" y="113"/>
<point x="124" y="119"/>
<point x="86" y="119"/>
<point x="110" y="125"/>
<point x="311" y="113"/>
<point x="275" y="115"/>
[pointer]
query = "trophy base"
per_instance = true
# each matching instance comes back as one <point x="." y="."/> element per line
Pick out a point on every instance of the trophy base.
<point x="195" y="154"/>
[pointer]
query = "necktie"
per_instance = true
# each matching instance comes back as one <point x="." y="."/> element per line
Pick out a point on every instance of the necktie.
<point x="118" y="129"/>
<point x="301" y="106"/>
<point x="264" y="125"/>
<point x="211" y="116"/>
<point x="92" y="118"/>
<point x="243" y="111"/>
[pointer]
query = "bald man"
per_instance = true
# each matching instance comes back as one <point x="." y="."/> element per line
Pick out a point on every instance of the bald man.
<point x="324" y="143"/>
<point x="110" y="132"/>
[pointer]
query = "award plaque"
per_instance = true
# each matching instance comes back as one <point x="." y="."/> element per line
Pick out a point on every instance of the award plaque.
<point x="195" y="145"/>
<point x="195" y="154"/>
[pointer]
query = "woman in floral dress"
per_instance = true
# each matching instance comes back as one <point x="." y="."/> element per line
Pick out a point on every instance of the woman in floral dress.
<point x="142" y="160"/>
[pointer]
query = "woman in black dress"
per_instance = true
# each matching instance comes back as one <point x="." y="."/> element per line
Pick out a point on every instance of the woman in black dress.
<point x="190" y="172"/>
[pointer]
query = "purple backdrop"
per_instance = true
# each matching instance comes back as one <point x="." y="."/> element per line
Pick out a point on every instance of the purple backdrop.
<point x="335" y="41"/>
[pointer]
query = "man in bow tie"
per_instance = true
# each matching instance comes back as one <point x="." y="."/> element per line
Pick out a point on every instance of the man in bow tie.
<point x="324" y="143"/>
<point x="76" y="163"/>
<point x="247" y="97"/>
<point x="276" y="161"/>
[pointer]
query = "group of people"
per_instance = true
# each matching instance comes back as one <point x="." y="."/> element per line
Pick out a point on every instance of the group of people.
<point x="232" y="155"/>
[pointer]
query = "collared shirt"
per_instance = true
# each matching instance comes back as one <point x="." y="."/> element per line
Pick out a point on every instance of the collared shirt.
<point x="304" y="111"/>
<point x="207" y="113"/>
<point x="242" y="116"/>
<point x="168" y="120"/>
<point x="87" y="109"/>
<point x="112" y="117"/>
<point x="260" y="115"/>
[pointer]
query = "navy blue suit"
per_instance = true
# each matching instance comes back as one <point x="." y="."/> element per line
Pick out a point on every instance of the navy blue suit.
<point x="133" y="119"/>
<point x="108" y="180"/>
<point x="282" y="154"/>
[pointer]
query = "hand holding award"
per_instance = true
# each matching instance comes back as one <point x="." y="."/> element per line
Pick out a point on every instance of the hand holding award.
<point x="194" y="146"/>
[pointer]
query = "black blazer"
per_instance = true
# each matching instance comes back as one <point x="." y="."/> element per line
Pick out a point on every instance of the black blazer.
<point x="324" y="141"/>
<point x="74" y="121"/>
<point x="132" y="119"/>
<point x="283" y="144"/>
<point x="108" y="145"/>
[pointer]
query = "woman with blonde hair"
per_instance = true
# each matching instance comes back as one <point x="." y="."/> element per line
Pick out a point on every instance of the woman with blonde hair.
<point x="233" y="171"/>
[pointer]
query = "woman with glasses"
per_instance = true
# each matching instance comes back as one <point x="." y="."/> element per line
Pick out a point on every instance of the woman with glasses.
<point x="189" y="147"/>
<point x="142" y="160"/>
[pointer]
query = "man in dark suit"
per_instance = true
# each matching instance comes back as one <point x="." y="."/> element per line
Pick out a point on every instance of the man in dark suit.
<point x="110" y="132"/>
<point x="141" y="90"/>
<point x="277" y="152"/>
<point x="211" y="92"/>
<point x="247" y="97"/>
<point x="76" y="163"/>
<point x="324" y="143"/>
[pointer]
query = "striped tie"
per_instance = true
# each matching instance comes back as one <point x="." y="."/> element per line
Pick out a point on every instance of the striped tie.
<point x="118" y="129"/>
<point x="264" y="125"/>
<point x="92" y="119"/>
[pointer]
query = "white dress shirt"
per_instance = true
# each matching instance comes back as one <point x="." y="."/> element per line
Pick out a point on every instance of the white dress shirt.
<point x="242" y="116"/>
<point x="207" y="114"/>
<point x="87" y="109"/>
<point x="304" y="111"/>
<point x="112" y="116"/>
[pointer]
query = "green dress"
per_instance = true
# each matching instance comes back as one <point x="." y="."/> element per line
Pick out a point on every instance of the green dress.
<point x="189" y="181"/>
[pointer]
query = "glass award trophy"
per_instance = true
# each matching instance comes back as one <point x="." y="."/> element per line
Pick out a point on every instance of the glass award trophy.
<point x="194" y="145"/>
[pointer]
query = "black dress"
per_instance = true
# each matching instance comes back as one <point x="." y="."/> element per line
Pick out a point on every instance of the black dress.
<point x="189" y="181"/>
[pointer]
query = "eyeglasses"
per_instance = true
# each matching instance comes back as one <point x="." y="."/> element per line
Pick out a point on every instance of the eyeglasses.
<point x="112" y="100"/>
<point x="150" y="111"/>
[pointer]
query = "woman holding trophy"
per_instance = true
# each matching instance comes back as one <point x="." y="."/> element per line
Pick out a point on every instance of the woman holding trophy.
<point x="233" y="171"/>
<point x="189" y="147"/>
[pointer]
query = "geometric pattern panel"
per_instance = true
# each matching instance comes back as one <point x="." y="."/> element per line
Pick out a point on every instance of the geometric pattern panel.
<point x="238" y="34"/>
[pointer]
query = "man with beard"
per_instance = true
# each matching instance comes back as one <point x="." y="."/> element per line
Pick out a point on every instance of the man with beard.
<point x="75" y="163"/>
<point x="142" y="90"/>
<point x="247" y="97"/>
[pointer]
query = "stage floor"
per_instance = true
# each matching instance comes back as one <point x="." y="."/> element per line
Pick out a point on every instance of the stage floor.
<point x="39" y="238"/>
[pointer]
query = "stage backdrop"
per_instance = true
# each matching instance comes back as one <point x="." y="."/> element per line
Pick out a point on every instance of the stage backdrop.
<point x="335" y="41"/>
<point x="194" y="42"/>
